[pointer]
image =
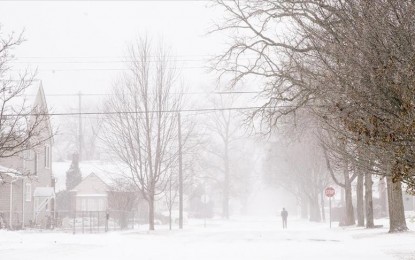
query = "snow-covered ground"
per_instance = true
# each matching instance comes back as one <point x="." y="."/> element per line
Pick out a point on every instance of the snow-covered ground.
<point x="242" y="238"/>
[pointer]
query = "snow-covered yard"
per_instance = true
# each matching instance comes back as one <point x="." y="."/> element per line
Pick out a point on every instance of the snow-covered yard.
<point x="243" y="238"/>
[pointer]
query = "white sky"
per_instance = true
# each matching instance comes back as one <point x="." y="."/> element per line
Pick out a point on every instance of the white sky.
<point x="78" y="46"/>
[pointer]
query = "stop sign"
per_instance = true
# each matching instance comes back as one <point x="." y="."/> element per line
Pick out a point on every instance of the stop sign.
<point x="329" y="192"/>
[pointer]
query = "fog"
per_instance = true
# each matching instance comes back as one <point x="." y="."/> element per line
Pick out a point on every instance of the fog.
<point x="206" y="130"/>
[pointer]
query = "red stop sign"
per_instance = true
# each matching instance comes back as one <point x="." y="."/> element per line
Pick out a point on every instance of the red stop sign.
<point x="329" y="192"/>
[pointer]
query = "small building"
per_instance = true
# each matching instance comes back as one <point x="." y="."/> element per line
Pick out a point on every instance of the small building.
<point x="101" y="192"/>
<point x="93" y="201"/>
<point x="90" y="195"/>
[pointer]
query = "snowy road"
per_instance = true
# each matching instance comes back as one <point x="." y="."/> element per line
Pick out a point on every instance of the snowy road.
<point x="240" y="239"/>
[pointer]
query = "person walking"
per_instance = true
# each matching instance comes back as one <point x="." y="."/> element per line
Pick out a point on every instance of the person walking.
<point x="284" y="216"/>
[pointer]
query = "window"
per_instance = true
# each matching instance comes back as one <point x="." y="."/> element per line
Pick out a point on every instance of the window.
<point x="26" y="154"/>
<point x="79" y="204"/>
<point x="91" y="204"/>
<point x="100" y="204"/>
<point x="36" y="163"/>
<point x="28" y="192"/>
<point x="26" y="158"/>
<point x="47" y="156"/>
<point x="84" y="206"/>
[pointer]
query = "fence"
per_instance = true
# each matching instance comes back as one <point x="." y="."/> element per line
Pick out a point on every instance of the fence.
<point x="95" y="221"/>
<point x="15" y="221"/>
<point x="75" y="222"/>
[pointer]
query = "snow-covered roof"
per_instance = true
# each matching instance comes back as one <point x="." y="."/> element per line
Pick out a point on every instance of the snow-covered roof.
<point x="90" y="184"/>
<point x="44" y="192"/>
<point x="92" y="195"/>
<point x="106" y="171"/>
<point x="10" y="172"/>
<point x="27" y="97"/>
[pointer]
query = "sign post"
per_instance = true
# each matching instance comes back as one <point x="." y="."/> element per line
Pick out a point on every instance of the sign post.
<point x="330" y="192"/>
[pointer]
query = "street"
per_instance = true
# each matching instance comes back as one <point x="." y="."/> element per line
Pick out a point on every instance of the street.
<point x="244" y="238"/>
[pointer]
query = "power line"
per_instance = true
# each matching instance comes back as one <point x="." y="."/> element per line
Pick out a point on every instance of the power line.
<point x="107" y="57"/>
<point x="111" y="69"/>
<point x="117" y="59"/>
<point x="119" y="0"/>
<point x="144" y="112"/>
<point x="188" y="114"/>
<point x="111" y="61"/>
<point x="120" y="61"/>
<point x="102" y="61"/>
<point x="174" y="93"/>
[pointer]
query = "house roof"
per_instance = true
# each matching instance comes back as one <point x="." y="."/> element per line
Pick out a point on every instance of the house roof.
<point x="10" y="172"/>
<point x="90" y="186"/>
<point x="27" y="98"/>
<point x="92" y="195"/>
<point x="106" y="171"/>
<point x="90" y="176"/>
<point x="31" y="97"/>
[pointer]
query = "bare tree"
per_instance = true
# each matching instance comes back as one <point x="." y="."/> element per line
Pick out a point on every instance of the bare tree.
<point x="171" y="194"/>
<point x="340" y="60"/>
<point x="140" y="128"/>
<point x="224" y="127"/>
<point x="23" y="125"/>
<point x="122" y="199"/>
<point x="348" y="176"/>
<point x="67" y="142"/>
<point x="296" y="164"/>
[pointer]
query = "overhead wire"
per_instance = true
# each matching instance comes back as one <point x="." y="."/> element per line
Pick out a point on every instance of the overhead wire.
<point x="175" y="93"/>
<point x="147" y="112"/>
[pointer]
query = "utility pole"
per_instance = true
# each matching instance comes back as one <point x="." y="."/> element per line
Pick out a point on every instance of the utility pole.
<point x="180" y="174"/>
<point x="80" y="125"/>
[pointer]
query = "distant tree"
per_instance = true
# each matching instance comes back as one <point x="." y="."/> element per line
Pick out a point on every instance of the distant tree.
<point x="67" y="142"/>
<point x="73" y="178"/>
<point x="245" y="166"/>
<point x="222" y="127"/>
<point x="297" y="166"/>
<point x="347" y="177"/>
<point x="73" y="175"/>
<point x="122" y="199"/>
<point x="170" y="195"/>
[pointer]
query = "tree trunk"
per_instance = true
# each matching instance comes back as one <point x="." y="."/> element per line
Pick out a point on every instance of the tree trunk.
<point x="348" y="219"/>
<point x="304" y="208"/>
<point x="342" y="197"/>
<point x="123" y="220"/>
<point x="225" y="205"/>
<point x="170" y="219"/>
<point x="369" y="201"/>
<point x="359" y="202"/>
<point x="314" y="209"/>
<point x="383" y="197"/>
<point x="397" y="222"/>
<point x="323" y="213"/>
<point x="151" y="211"/>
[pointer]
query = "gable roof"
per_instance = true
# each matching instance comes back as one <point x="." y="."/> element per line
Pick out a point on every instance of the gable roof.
<point x="39" y="100"/>
<point x="93" y="184"/>
<point x="32" y="97"/>
<point x="27" y="97"/>
<point x="106" y="171"/>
